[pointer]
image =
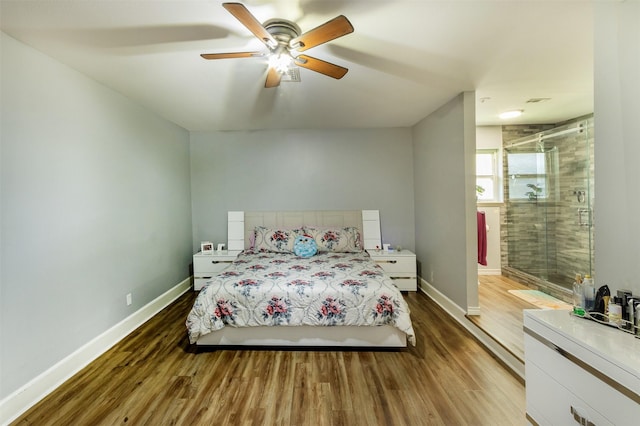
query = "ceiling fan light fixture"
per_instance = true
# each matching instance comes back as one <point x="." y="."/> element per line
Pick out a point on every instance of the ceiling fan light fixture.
<point x="511" y="114"/>
<point x="281" y="62"/>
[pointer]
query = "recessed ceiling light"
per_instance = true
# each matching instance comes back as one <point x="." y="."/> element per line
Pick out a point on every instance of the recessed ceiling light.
<point x="511" y="114"/>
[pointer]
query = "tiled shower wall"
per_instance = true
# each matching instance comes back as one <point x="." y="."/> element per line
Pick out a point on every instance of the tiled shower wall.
<point x="549" y="246"/>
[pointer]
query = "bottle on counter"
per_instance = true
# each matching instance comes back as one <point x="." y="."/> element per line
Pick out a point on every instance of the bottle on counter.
<point x="578" y="297"/>
<point x="601" y="304"/>
<point x="615" y="310"/>
<point x="632" y="302"/>
<point x="589" y="290"/>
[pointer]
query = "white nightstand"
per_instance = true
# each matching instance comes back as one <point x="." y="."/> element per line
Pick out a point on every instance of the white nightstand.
<point x="206" y="266"/>
<point x="399" y="265"/>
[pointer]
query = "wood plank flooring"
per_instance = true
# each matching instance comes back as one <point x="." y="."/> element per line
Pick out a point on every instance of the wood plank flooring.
<point x="501" y="312"/>
<point x="154" y="377"/>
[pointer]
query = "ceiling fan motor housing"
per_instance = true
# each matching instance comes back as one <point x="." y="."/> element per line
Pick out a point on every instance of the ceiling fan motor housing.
<point x="282" y="30"/>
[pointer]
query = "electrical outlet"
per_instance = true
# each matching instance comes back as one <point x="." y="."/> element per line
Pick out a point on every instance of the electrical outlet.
<point x="129" y="299"/>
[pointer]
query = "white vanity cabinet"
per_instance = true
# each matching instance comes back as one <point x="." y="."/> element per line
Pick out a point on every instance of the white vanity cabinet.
<point x="207" y="265"/>
<point x="579" y="372"/>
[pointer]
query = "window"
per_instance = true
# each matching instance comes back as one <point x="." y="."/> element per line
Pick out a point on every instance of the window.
<point x="487" y="175"/>
<point x="527" y="176"/>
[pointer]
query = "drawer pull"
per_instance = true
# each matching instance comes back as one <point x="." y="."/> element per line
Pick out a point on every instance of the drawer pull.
<point x="387" y="261"/>
<point x="580" y="419"/>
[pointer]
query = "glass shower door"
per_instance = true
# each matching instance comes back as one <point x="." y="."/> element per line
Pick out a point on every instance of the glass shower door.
<point x="527" y="215"/>
<point x="549" y="198"/>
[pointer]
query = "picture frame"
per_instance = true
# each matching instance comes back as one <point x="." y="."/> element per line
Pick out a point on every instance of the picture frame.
<point x="220" y="247"/>
<point x="206" y="247"/>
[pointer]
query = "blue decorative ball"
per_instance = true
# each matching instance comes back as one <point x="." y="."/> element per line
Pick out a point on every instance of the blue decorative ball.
<point x="305" y="246"/>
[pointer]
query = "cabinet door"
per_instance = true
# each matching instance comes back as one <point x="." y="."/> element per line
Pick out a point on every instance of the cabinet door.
<point x="550" y="403"/>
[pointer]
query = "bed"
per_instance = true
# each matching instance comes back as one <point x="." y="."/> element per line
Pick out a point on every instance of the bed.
<point x="276" y="294"/>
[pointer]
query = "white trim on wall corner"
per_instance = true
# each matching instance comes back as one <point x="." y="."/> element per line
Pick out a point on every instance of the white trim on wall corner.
<point x="473" y="310"/>
<point x="458" y="314"/>
<point x="39" y="387"/>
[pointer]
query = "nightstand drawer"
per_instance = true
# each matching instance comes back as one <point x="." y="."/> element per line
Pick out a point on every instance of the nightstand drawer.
<point x="405" y="283"/>
<point x="206" y="266"/>
<point x="396" y="263"/>
<point x="198" y="283"/>
<point x="209" y="264"/>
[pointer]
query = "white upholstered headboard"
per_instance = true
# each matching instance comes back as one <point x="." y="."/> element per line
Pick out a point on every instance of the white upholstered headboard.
<point x="241" y="224"/>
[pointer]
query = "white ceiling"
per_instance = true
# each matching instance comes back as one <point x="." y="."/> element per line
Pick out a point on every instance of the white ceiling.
<point x="406" y="58"/>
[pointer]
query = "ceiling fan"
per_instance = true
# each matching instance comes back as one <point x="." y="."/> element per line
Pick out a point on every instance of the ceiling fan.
<point x="284" y="40"/>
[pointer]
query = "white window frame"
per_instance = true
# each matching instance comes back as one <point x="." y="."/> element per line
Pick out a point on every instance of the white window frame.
<point x="495" y="176"/>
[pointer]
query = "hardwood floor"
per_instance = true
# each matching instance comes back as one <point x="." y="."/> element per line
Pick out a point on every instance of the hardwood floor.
<point x="154" y="377"/>
<point x="501" y="313"/>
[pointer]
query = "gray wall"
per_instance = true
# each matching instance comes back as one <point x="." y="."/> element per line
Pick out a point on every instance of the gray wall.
<point x="444" y="178"/>
<point x="617" y="147"/>
<point x="303" y="170"/>
<point x="95" y="204"/>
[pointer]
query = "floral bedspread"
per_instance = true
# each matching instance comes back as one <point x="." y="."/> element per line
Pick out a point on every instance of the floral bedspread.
<point x="329" y="289"/>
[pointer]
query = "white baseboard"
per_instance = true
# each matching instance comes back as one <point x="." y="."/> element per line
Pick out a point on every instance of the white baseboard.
<point x="445" y="303"/>
<point x="458" y="314"/>
<point x="28" y="395"/>
<point x="484" y="271"/>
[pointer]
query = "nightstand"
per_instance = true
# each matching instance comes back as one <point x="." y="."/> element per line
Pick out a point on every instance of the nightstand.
<point x="206" y="266"/>
<point x="399" y="265"/>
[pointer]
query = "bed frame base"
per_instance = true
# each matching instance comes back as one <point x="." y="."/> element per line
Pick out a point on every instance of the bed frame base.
<point x="307" y="336"/>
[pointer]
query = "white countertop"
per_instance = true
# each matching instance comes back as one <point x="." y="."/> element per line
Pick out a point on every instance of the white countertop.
<point x="611" y="351"/>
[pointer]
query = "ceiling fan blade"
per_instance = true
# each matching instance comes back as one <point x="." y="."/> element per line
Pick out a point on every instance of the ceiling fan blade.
<point x="273" y="78"/>
<point x="323" y="67"/>
<point x="243" y="15"/>
<point x="231" y="55"/>
<point x="330" y="30"/>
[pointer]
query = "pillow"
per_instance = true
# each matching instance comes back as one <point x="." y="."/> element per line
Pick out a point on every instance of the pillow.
<point x="275" y="240"/>
<point x="336" y="240"/>
<point x="305" y="246"/>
